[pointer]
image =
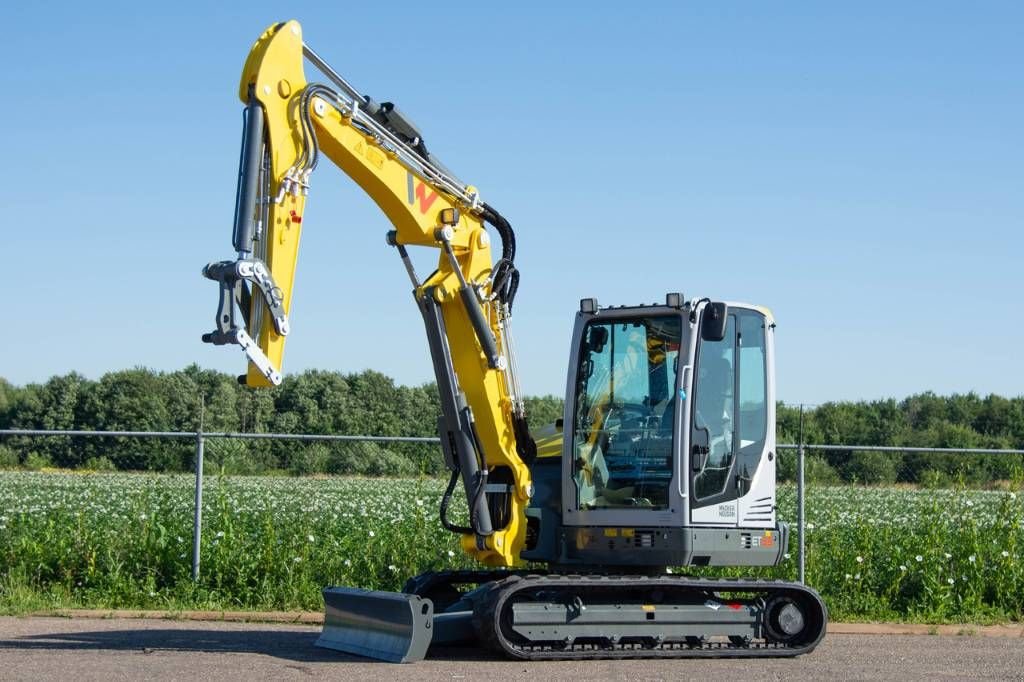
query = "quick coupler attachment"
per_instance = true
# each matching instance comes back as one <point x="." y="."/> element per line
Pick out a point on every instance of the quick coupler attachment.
<point x="237" y="279"/>
<point x="231" y="272"/>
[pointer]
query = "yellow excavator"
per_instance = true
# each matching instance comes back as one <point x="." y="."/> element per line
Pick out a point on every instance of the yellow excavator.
<point x="665" y="456"/>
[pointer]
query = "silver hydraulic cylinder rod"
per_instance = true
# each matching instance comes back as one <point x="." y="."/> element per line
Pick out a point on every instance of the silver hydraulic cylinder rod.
<point x="331" y="74"/>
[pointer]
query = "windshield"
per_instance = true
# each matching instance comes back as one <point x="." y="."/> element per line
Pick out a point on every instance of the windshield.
<point x="624" y="412"/>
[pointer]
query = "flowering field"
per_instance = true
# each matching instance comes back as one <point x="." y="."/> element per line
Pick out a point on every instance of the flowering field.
<point x="124" y="540"/>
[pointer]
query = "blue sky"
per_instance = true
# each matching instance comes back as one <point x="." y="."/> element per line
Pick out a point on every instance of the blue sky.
<point x="858" y="170"/>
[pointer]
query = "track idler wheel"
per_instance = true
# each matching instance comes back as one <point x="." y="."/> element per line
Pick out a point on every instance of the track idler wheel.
<point x="784" y="620"/>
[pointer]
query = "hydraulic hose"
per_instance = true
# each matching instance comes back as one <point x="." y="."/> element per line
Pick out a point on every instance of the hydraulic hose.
<point x="446" y="500"/>
<point x="506" y="278"/>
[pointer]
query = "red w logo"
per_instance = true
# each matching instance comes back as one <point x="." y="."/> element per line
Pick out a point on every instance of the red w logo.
<point x="418" y="191"/>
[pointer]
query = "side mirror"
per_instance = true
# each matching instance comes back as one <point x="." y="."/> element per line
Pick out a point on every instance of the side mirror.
<point x="712" y="322"/>
<point x="597" y="338"/>
<point x="699" y="449"/>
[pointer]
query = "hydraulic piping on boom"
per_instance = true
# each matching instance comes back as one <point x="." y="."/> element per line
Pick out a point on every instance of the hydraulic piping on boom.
<point x="665" y="455"/>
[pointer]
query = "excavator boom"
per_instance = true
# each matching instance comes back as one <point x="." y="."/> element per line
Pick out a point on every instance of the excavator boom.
<point x="290" y="124"/>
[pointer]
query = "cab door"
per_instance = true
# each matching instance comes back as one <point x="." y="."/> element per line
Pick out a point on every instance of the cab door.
<point x="729" y="421"/>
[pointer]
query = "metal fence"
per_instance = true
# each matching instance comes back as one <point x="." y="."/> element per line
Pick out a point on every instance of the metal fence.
<point x="200" y="438"/>
<point x="801" y="467"/>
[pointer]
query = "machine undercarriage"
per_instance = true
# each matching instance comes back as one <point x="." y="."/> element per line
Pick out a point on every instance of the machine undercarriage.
<point x="548" y="616"/>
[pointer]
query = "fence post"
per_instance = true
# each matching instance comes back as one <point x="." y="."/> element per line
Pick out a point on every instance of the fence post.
<point x="197" y="519"/>
<point x="801" y="521"/>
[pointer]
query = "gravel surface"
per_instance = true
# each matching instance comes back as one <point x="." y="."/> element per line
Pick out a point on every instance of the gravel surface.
<point x="115" y="649"/>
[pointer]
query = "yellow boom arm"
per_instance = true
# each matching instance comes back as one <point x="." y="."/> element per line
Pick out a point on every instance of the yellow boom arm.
<point x="465" y="303"/>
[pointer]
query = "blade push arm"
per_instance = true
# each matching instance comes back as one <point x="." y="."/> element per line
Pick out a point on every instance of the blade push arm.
<point x="466" y="303"/>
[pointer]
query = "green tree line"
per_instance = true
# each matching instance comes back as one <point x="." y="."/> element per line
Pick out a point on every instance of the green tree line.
<point x="370" y="403"/>
<point x="922" y="420"/>
<point x="315" y="402"/>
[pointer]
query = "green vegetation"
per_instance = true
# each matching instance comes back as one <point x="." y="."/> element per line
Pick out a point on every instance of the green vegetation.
<point x="369" y="403"/>
<point x="923" y="420"/>
<point x="124" y="541"/>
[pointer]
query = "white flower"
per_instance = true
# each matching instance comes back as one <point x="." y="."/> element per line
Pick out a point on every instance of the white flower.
<point x="786" y="555"/>
<point x="950" y="580"/>
<point x="180" y="539"/>
<point x="451" y="553"/>
<point x="860" y="560"/>
<point x="392" y="568"/>
<point x="971" y="558"/>
<point x="372" y="534"/>
<point x="1005" y="553"/>
<point x="969" y="503"/>
<point x="902" y="567"/>
<point x="220" y="534"/>
<point x="419" y="502"/>
<point x="297" y="559"/>
<point x="152" y="594"/>
<point x="142" y="517"/>
<point x="311" y="538"/>
<point x="857" y="577"/>
<point x="948" y="555"/>
<point x="348" y="562"/>
<point x="669" y="571"/>
<point x="919" y="558"/>
<point x="848" y="576"/>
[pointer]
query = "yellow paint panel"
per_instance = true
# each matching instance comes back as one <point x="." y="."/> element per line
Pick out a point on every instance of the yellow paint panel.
<point x="276" y="58"/>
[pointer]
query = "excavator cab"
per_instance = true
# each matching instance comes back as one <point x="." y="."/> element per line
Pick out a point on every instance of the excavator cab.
<point x="666" y="458"/>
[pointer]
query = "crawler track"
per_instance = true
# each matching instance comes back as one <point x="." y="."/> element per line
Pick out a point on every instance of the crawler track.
<point x="703" y="618"/>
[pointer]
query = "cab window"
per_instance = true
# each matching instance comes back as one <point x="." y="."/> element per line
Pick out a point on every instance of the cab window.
<point x="624" y="412"/>
<point x="730" y="408"/>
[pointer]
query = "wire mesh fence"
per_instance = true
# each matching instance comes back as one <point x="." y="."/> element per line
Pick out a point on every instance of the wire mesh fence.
<point x="228" y="453"/>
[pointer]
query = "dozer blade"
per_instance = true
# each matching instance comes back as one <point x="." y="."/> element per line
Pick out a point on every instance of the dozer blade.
<point x="388" y="626"/>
